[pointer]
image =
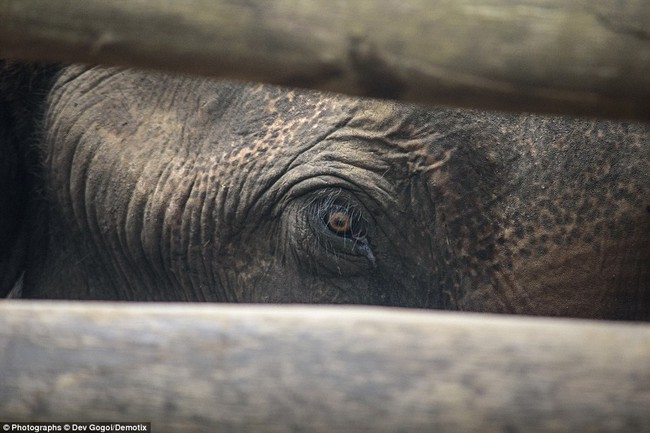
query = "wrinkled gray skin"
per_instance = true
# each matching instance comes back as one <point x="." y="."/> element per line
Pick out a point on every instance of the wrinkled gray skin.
<point x="156" y="187"/>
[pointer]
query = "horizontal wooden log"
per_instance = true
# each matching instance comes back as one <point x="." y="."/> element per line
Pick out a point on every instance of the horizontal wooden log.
<point x="234" y="368"/>
<point x="576" y="57"/>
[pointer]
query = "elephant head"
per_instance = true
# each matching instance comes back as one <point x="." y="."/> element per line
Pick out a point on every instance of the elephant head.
<point x="150" y="186"/>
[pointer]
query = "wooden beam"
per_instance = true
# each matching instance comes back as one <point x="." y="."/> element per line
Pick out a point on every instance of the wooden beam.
<point x="239" y="368"/>
<point x="589" y="57"/>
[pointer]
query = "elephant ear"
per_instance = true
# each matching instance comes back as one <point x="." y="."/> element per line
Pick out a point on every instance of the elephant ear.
<point x="22" y="94"/>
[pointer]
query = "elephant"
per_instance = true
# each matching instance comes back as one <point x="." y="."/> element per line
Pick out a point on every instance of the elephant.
<point x="147" y="186"/>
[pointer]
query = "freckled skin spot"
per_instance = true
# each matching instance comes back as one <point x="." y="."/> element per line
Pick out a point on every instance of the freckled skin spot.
<point x="519" y="232"/>
<point x="541" y="250"/>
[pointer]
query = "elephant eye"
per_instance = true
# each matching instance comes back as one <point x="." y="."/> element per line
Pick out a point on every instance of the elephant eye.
<point x="344" y="222"/>
<point x="341" y="228"/>
<point x="339" y="222"/>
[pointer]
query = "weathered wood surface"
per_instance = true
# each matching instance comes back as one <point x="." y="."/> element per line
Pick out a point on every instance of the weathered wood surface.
<point x="232" y="368"/>
<point x="578" y="57"/>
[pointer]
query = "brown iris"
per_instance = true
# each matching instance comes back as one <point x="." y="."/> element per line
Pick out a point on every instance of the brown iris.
<point x="339" y="222"/>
